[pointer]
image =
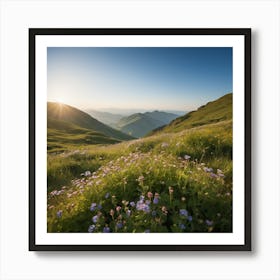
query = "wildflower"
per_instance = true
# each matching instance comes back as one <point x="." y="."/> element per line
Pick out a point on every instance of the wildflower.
<point x="87" y="173"/>
<point x="208" y="222"/>
<point x="142" y="206"/>
<point x="95" y="218"/>
<point x="106" y="229"/>
<point x="93" y="206"/>
<point x="59" y="214"/>
<point x="142" y="197"/>
<point x="99" y="206"/>
<point x="155" y="201"/>
<point x="91" y="228"/>
<point x="107" y="195"/>
<point x="170" y="190"/>
<point x="219" y="171"/>
<point x="112" y="212"/>
<point x="119" y="225"/>
<point x="189" y="218"/>
<point x="118" y="208"/>
<point x="124" y="202"/>
<point x="54" y="192"/>
<point x="186" y="157"/>
<point x="164" y="210"/>
<point x="132" y="203"/>
<point x="140" y="178"/>
<point x="182" y="226"/>
<point x="147" y="201"/>
<point x="147" y="231"/>
<point x="128" y="212"/>
<point x="213" y="175"/>
<point x="164" y="145"/>
<point x="183" y="212"/>
<point x="150" y="194"/>
<point x="183" y="198"/>
<point x="154" y="213"/>
<point x="206" y="169"/>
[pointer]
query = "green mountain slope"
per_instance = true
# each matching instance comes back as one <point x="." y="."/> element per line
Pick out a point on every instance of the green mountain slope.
<point x="212" y="112"/>
<point x="69" y="114"/>
<point x="61" y="134"/>
<point x="140" y="124"/>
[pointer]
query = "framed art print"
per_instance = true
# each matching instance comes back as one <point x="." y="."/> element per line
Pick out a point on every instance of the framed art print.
<point x="140" y="139"/>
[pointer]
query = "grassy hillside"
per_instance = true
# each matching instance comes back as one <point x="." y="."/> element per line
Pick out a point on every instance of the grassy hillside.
<point x="138" y="125"/>
<point x="212" y="112"/>
<point x="169" y="182"/>
<point x="63" y="134"/>
<point x="66" y="113"/>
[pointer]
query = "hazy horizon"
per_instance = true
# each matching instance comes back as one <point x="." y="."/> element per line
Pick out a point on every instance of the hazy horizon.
<point x="133" y="79"/>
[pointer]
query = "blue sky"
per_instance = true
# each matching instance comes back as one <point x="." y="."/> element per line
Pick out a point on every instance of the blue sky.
<point x="134" y="78"/>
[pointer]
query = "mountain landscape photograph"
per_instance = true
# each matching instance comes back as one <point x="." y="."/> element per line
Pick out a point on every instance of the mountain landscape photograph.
<point x="139" y="139"/>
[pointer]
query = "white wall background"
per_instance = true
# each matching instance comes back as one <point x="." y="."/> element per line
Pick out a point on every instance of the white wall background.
<point x="16" y="262"/>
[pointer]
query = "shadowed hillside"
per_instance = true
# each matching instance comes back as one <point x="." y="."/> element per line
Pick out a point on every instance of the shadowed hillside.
<point x="66" y="113"/>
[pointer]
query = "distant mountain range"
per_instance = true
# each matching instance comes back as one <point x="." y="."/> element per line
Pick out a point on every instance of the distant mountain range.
<point x="212" y="112"/>
<point x="138" y="125"/>
<point x="105" y="117"/>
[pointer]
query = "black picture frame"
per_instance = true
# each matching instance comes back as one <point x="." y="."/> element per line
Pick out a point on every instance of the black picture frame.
<point x="245" y="32"/>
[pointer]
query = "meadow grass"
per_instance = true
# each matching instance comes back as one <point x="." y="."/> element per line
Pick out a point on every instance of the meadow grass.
<point x="169" y="182"/>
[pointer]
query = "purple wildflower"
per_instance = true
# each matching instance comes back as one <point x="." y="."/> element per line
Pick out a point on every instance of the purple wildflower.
<point x="183" y="212"/>
<point x="155" y="201"/>
<point x="59" y="214"/>
<point x="106" y="229"/>
<point x="119" y="225"/>
<point x="142" y="206"/>
<point x="213" y="175"/>
<point x="95" y="218"/>
<point x="128" y="213"/>
<point x="182" y="226"/>
<point x="93" y="206"/>
<point x="132" y="203"/>
<point x="208" y="223"/>
<point x="189" y="218"/>
<point x="107" y="195"/>
<point x="99" y="206"/>
<point x="91" y="228"/>
<point x="206" y="169"/>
